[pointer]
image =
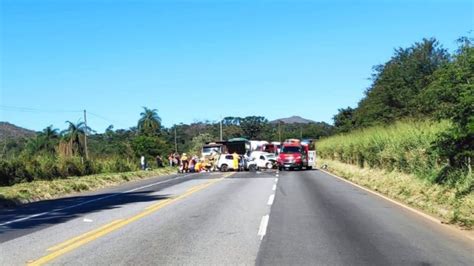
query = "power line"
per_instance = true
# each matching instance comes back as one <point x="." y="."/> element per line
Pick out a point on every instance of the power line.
<point x="35" y="110"/>
<point x="103" y="117"/>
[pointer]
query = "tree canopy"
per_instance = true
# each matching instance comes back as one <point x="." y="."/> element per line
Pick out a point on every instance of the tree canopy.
<point x="150" y="122"/>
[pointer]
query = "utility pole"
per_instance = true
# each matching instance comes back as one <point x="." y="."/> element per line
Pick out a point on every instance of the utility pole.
<point x="85" y="135"/>
<point x="279" y="131"/>
<point x="175" y="140"/>
<point x="221" y="128"/>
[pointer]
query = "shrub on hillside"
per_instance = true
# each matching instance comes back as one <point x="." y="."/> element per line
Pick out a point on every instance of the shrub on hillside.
<point x="12" y="172"/>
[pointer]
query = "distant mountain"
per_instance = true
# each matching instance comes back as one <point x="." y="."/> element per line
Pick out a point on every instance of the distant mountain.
<point x="293" y="120"/>
<point x="10" y="131"/>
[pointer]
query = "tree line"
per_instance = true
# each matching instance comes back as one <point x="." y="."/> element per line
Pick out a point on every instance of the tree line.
<point x="423" y="82"/>
<point x="55" y="154"/>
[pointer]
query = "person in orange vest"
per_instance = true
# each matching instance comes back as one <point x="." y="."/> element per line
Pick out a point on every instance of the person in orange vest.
<point x="235" y="161"/>
<point x="198" y="167"/>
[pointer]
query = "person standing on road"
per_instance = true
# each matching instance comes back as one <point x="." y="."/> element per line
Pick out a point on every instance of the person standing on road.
<point x="235" y="161"/>
<point x="159" y="161"/>
<point x="143" y="162"/>
<point x="184" y="162"/>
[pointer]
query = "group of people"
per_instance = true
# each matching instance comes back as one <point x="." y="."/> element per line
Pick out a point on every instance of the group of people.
<point x="174" y="159"/>
<point x="193" y="164"/>
<point x="186" y="164"/>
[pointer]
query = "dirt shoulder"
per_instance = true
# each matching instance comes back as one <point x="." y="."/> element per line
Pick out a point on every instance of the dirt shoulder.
<point x="439" y="201"/>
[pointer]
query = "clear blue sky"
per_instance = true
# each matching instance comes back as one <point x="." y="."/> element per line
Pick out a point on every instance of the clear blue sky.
<point x="198" y="60"/>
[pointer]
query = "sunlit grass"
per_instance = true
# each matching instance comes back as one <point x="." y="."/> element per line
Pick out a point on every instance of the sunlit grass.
<point x="49" y="189"/>
<point x="403" y="146"/>
<point x="441" y="201"/>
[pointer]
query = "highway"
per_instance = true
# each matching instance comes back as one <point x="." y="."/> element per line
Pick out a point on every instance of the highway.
<point x="248" y="218"/>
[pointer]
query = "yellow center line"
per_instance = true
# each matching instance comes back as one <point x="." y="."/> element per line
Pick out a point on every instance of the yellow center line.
<point x="75" y="239"/>
<point x="161" y="202"/>
<point x="83" y="239"/>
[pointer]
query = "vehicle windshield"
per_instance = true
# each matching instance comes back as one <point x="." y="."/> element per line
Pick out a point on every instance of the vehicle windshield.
<point x="291" y="149"/>
<point x="210" y="149"/>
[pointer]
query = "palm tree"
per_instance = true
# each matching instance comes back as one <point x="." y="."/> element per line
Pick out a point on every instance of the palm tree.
<point x="48" y="138"/>
<point x="150" y="121"/>
<point x="74" y="136"/>
<point x="43" y="142"/>
<point x="50" y="133"/>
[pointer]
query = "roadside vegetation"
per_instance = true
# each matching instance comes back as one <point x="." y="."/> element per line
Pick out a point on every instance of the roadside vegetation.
<point x="406" y="147"/>
<point x="412" y="135"/>
<point x="50" y="189"/>
<point x="441" y="201"/>
<point x="54" y="154"/>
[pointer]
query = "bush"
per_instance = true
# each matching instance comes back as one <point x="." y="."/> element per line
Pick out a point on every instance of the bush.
<point x="71" y="167"/>
<point x="12" y="172"/>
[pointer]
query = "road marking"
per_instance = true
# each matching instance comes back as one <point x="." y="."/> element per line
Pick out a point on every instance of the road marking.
<point x="86" y="220"/>
<point x="24" y="218"/>
<point x="161" y="202"/>
<point x="276" y="180"/>
<point x="81" y="240"/>
<point x="262" y="231"/>
<point x="75" y="239"/>
<point x="274" y="187"/>
<point x="89" y="201"/>
<point x="424" y="215"/>
<point x="271" y="199"/>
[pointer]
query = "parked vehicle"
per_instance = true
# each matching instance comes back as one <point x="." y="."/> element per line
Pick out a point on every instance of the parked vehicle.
<point x="240" y="146"/>
<point x="211" y="148"/>
<point x="226" y="163"/>
<point x="264" y="160"/>
<point x="272" y="148"/>
<point x="257" y="145"/>
<point x="293" y="155"/>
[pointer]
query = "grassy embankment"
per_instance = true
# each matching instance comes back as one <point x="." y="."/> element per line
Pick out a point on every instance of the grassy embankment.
<point x="398" y="161"/>
<point x="49" y="189"/>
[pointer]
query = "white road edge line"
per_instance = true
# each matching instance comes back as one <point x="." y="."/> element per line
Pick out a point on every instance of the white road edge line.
<point x="413" y="210"/>
<point x="262" y="231"/>
<point x="89" y="201"/>
<point x="271" y="199"/>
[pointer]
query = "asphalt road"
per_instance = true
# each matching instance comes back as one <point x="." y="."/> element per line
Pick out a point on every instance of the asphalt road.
<point x="295" y="218"/>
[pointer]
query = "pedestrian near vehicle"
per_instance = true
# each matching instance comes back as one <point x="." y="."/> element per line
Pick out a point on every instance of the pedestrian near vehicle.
<point x="235" y="161"/>
<point x="191" y="165"/>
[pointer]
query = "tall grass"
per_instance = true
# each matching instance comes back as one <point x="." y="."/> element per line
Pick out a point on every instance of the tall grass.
<point x="24" y="169"/>
<point x="404" y="146"/>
